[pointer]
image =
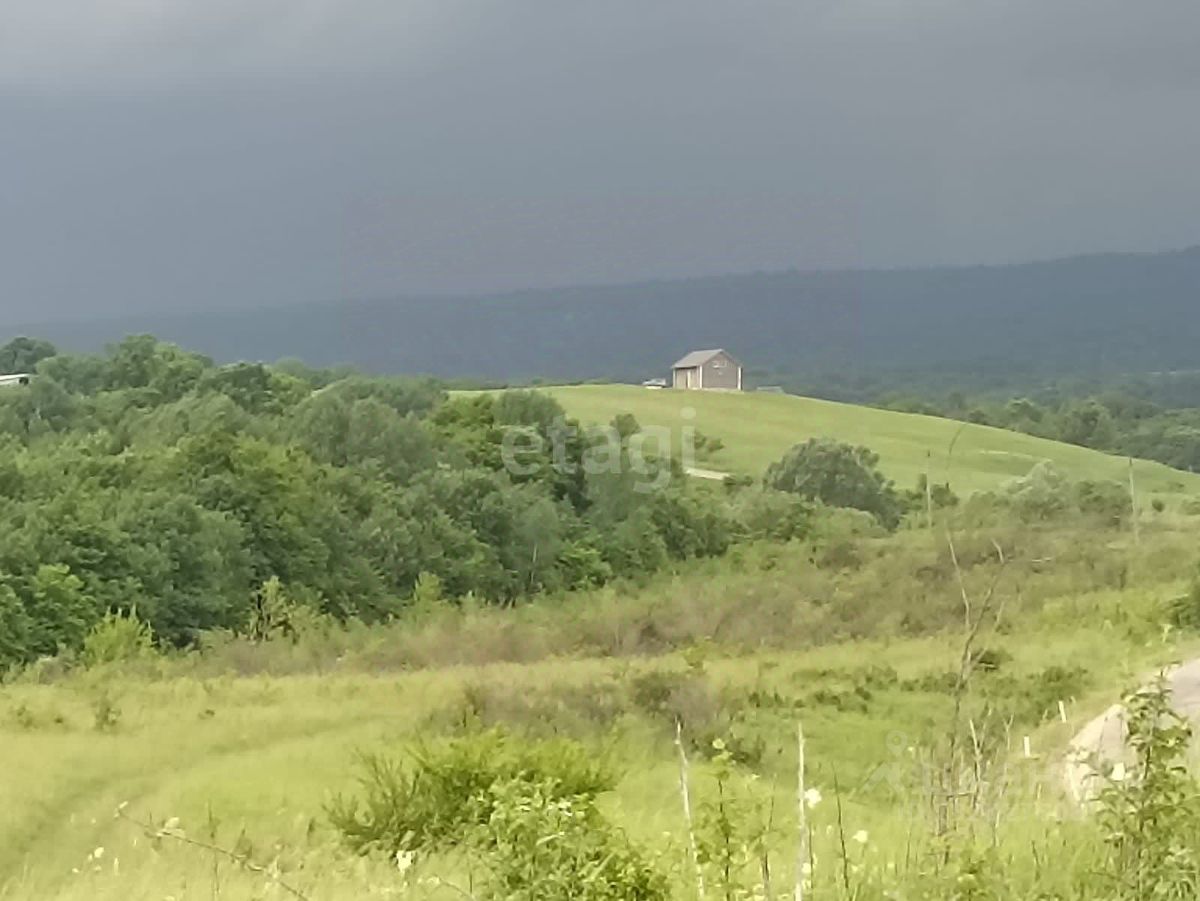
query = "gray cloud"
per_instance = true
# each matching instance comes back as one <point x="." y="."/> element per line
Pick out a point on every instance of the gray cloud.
<point x="235" y="152"/>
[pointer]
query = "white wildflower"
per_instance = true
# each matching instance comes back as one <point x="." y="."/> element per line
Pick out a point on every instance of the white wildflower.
<point x="405" y="860"/>
<point x="97" y="854"/>
<point x="861" y="836"/>
<point x="812" y="798"/>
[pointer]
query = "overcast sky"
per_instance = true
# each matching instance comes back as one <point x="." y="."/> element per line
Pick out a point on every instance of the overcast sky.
<point x="183" y="154"/>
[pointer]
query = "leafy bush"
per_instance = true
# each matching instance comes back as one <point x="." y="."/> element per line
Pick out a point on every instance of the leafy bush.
<point x="1030" y="699"/>
<point x="772" y="515"/>
<point x="118" y="638"/>
<point x="1108" y="502"/>
<point x="1184" y="611"/>
<point x="675" y="696"/>
<point x="526" y="810"/>
<point x="706" y="446"/>
<point x="1045" y="494"/>
<point x="543" y="846"/>
<point x="555" y="709"/>
<point x="1149" y="812"/>
<point x="448" y="790"/>
<point x="733" y="833"/>
<point x="839" y="475"/>
<point x="939" y="494"/>
<point x="1041" y="495"/>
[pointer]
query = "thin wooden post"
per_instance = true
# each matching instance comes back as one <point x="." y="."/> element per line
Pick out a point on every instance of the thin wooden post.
<point x="1137" y="526"/>
<point x="801" y="817"/>
<point x="929" y="488"/>
<point x="686" y="796"/>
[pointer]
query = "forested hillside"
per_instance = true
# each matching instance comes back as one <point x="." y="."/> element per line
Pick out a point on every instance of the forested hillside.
<point x="847" y="335"/>
<point x="202" y="497"/>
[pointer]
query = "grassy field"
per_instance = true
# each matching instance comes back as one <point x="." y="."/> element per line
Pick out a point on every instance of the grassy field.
<point x="758" y="429"/>
<point x="250" y="761"/>
<point x="261" y="757"/>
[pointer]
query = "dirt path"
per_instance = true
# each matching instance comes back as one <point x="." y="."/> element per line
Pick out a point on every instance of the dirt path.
<point x="85" y="805"/>
<point x="1103" y="739"/>
<point x="710" y="474"/>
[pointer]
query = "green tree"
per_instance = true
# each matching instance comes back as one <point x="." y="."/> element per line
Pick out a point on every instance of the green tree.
<point x="1040" y="496"/>
<point x="23" y="355"/>
<point x="838" y="475"/>
<point x="15" y="629"/>
<point x="43" y="407"/>
<point x="118" y="638"/>
<point x="255" y="387"/>
<point x="344" y="431"/>
<point x="1088" y="424"/>
<point x="165" y="370"/>
<point x="60" y="611"/>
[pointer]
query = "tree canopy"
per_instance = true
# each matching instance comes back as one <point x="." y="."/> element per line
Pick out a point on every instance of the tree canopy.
<point x="150" y="478"/>
<point x="838" y="475"/>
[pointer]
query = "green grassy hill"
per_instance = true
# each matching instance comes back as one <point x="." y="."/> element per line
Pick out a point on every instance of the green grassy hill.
<point x="757" y="430"/>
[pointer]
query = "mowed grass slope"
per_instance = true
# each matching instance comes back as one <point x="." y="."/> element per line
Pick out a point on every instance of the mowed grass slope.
<point x="757" y="429"/>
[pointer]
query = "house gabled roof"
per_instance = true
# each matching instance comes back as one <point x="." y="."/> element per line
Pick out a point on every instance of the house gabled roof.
<point x="700" y="357"/>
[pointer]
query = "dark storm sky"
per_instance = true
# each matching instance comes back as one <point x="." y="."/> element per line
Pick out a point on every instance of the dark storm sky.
<point x="230" y="153"/>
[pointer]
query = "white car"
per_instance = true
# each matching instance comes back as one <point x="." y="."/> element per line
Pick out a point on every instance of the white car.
<point x="654" y="383"/>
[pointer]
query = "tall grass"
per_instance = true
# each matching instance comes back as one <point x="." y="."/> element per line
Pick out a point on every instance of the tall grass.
<point x="243" y="745"/>
<point x="762" y="597"/>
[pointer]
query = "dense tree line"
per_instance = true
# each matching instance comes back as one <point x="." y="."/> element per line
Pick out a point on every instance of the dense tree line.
<point x="150" y="478"/>
<point x="1136" y="421"/>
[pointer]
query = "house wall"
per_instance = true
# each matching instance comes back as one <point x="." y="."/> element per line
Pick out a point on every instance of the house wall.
<point x="722" y="372"/>
<point x="686" y="378"/>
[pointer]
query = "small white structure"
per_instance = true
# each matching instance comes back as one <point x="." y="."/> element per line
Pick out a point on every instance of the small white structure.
<point x="13" y="381"/>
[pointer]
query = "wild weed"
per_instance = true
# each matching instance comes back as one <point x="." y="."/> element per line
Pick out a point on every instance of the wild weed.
<point x="106" y="715"/>
<point x="539" y="845"/>
<point x="1150" y="812"/>
<point x="734" y="833"/>
<point x="118" y="638"/>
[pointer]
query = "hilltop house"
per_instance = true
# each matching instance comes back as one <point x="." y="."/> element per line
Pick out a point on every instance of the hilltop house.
<point x="708" y="370"/>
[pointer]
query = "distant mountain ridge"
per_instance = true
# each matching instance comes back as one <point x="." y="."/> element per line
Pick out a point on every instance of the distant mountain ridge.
<point x="1087" y="315"/>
